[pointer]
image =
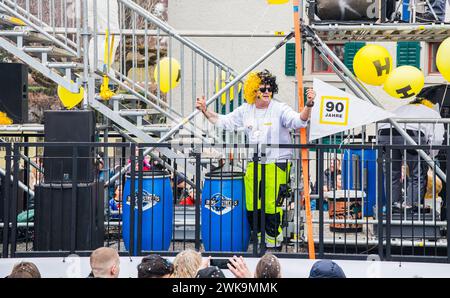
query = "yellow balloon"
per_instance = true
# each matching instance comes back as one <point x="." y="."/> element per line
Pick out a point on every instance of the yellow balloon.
<point x="372" y="64"/>
<point x="220" y="83"/>
<point x="69" y="99"/>
<point x="443" y="59"/>
<point x="277" y="1"/>
<point x="170" y="74"/>
<point x="404" y="81"/>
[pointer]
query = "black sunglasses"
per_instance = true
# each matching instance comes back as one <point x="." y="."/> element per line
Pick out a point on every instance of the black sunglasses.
<point x="264" y="89"/>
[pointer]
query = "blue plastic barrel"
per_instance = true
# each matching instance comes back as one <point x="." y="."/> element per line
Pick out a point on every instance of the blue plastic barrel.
<point x="224" y="225"/>
<point x="352" y="171"/>
<point x="157" y="212"/>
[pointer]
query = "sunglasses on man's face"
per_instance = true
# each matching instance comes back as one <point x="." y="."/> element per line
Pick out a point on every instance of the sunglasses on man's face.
<point x="264" y="89"/>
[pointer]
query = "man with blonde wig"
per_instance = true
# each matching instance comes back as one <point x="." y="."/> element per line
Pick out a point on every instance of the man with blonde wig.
<point x="105" y="263"/>
<point x="265" y="121"/>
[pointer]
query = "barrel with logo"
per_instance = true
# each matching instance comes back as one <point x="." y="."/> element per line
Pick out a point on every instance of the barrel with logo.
<point x="157" y="212"/>
<point x="224" y="224"/>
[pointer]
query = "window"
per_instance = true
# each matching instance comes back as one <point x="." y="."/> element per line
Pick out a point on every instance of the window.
<point x="320" y="66"/>
<point x="432" y="51"/>
<point x="289" y="67"/>
<point x="408" y="53"/>
<point x="350" y="50"/>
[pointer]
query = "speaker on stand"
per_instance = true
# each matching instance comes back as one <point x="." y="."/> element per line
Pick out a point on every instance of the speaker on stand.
<point x="69" y="127"/>
<point x="67" y="218"/>
<point x="69" y="204"/>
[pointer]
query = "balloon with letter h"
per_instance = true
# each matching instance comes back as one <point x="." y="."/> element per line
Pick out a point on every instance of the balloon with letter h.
<point x="373" y="65"/>
<point x="443" y="59"/>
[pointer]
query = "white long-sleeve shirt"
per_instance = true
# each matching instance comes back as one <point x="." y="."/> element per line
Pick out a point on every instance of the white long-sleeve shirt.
<point x="265" y="126"/>
<point x="434" y="132"/>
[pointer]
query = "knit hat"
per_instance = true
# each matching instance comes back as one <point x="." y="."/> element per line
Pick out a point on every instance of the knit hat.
<point x="326" y="269"/>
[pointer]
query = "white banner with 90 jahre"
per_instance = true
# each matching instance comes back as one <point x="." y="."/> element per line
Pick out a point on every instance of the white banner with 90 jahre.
<point x="336" y="111"/>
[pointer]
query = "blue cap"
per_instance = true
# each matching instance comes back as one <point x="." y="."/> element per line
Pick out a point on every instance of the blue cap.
<point x="326" y="269"/>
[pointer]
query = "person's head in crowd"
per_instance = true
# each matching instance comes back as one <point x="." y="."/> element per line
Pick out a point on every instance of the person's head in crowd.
<point x="268" y="267"/>
<point x="210" y="272"/>
<point x="118" y="192"/>
<point x="25" y="270"/>
<point x="326" y="269"/>
<point x="187" y="263"/>
<point x="105" y="263"/>
<point x="339" y="181"/>
<point x="181" y="180"/>
<point x="335" y="165"/>
<point x="99" y="161"/>
<point x="155" y="266"/>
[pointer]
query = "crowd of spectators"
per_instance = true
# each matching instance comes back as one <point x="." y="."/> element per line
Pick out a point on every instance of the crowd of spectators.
<point x="105" y="263"/>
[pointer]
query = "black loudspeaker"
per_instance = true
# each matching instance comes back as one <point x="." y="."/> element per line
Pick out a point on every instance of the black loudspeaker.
<point x="69" y="127"/>
<point x="54" y="213"/>
<point x="14" y="91"/>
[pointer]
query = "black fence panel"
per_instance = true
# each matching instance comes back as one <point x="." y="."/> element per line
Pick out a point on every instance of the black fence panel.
<point x="221" y="199"/>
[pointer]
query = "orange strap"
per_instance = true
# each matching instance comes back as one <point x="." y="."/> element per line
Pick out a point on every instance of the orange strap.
<point x="304" y="152"/>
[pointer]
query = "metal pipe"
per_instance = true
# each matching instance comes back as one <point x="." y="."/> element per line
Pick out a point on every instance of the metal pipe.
<point x="22" y="128"/>
<point x="374" y="242"/>
<point x="419" y="120"/>
<point x="33" y="127"/>
<point x="184" y="33"/>
<point x="379" y="27"/>
<point x="31" y="224"/>
<point x="21" y="185"/>
<point x="86" y="72"/>
<point x="417" y="223"/>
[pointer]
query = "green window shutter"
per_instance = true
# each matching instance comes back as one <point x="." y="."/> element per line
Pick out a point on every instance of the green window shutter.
<point x="350" y="50"/>
<point x="408" y="53"/>
<point x="289" y="66"/>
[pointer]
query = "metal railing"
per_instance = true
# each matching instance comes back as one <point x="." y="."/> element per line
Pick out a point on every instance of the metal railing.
<point x="353" y="216"/>
<point x="46" y="17"/>
<point x="137" y="41"/>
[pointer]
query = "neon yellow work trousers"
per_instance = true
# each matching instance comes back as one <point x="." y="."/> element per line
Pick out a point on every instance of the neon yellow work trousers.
<point x="276" y="190"/>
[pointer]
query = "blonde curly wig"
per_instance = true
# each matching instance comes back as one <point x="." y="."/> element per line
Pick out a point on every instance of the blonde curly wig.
<point x="253" y="81"/>
<point x="251" y="86"/>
